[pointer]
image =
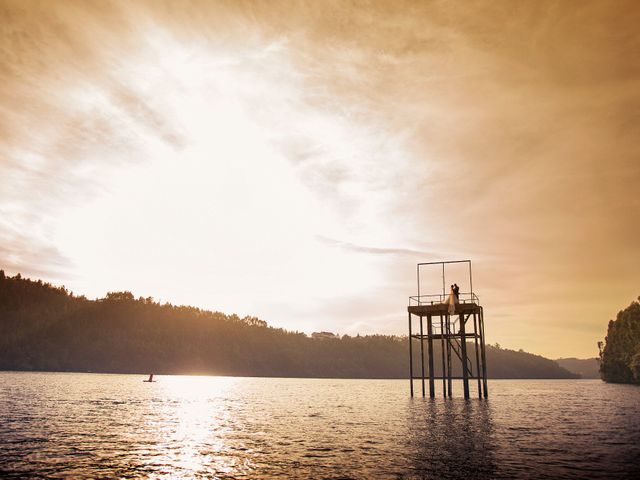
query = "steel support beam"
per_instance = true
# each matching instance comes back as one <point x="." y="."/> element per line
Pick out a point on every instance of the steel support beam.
<point x="464" y="359"/>
<point x="432" y="389"/>
<point x="422" y="355"/>
<point x="410" y="356"/>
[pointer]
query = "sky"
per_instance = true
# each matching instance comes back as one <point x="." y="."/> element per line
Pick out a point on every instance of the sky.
<point x="295" y="160"/>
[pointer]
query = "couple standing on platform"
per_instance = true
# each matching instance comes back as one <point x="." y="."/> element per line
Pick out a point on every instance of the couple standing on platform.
<point x="454" y="298"/>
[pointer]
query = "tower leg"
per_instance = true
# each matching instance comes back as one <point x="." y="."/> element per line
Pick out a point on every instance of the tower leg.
<point x="483" y="354"/>
<point x="463" y="348"/>
<point x="444" y="370"/>
<point x="475" y="339"/>
<point x="449" y="380"/>
<point x="422" y="355"/>
<point x="432" y="389"/>
<point x="410" y="357"/>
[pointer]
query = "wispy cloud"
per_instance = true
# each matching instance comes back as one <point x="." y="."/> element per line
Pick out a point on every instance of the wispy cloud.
<point x="371" y="250"/>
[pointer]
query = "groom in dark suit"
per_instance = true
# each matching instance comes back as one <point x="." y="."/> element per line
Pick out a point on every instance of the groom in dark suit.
<point x="456" y="291"/>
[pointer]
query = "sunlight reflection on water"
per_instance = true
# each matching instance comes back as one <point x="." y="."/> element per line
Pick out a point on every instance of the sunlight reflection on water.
<point x="191" y="426"/>
<point x="89" y="425"/>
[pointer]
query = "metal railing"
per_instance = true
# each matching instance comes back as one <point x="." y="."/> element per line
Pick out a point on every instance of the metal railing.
<point x="466" y="297"/>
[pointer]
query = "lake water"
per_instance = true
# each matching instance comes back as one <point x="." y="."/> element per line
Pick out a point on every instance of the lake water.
<point x="106" y="426"/>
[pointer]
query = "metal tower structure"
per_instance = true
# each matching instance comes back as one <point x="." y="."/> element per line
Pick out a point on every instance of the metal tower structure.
<point x="449" y="327"/>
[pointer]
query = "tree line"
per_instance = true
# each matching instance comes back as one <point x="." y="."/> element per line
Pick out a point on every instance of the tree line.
<point x="44" y="327"/>
<point x="620" y="357"/>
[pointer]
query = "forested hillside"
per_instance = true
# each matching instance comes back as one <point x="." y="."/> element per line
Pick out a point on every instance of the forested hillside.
<point x="585" y="367"/>
<point x="47" y="328"/>
<point x="620" y="362"/>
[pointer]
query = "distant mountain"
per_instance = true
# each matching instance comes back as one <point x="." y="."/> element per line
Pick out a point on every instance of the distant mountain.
<point x="621" y="353"/>
<point x="43" y="327"/>
<point x="585" y="367"/>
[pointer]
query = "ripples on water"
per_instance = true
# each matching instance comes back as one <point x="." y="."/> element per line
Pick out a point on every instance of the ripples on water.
<point x="89" y="425"/>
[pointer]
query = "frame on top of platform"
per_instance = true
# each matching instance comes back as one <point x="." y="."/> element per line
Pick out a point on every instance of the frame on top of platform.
<point x="444" y="289"/>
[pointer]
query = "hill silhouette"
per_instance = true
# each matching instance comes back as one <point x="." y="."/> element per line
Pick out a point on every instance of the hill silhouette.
<point x="43" y="327"/>
<point x="585" y="367"/>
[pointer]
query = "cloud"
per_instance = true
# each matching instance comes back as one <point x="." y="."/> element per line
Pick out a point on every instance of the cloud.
<point x="23" y="252"/>
<point x="371" y="250"/>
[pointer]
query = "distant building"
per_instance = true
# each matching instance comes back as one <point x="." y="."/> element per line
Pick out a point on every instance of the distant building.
<point x="323" y="335"/>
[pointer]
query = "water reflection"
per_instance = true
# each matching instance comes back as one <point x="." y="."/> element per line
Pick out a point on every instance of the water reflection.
<point x="451" y="438"/>
<point x="115" y="426"/>
<point x="188" y="420"/>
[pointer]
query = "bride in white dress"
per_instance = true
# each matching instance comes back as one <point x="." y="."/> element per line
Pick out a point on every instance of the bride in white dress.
<point x="451" y="300"/>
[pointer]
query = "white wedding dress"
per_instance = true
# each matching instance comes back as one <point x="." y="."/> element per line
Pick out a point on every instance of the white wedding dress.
<point x="451" y="301"/>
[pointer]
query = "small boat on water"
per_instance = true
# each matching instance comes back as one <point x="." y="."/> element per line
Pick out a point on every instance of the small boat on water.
<point x="150" y="378"/>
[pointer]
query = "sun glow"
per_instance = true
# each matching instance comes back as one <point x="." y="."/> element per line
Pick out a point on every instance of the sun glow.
<point x="215" y="208"/>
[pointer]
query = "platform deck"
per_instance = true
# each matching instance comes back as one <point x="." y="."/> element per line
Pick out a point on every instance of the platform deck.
<point x="442" y="309"/>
